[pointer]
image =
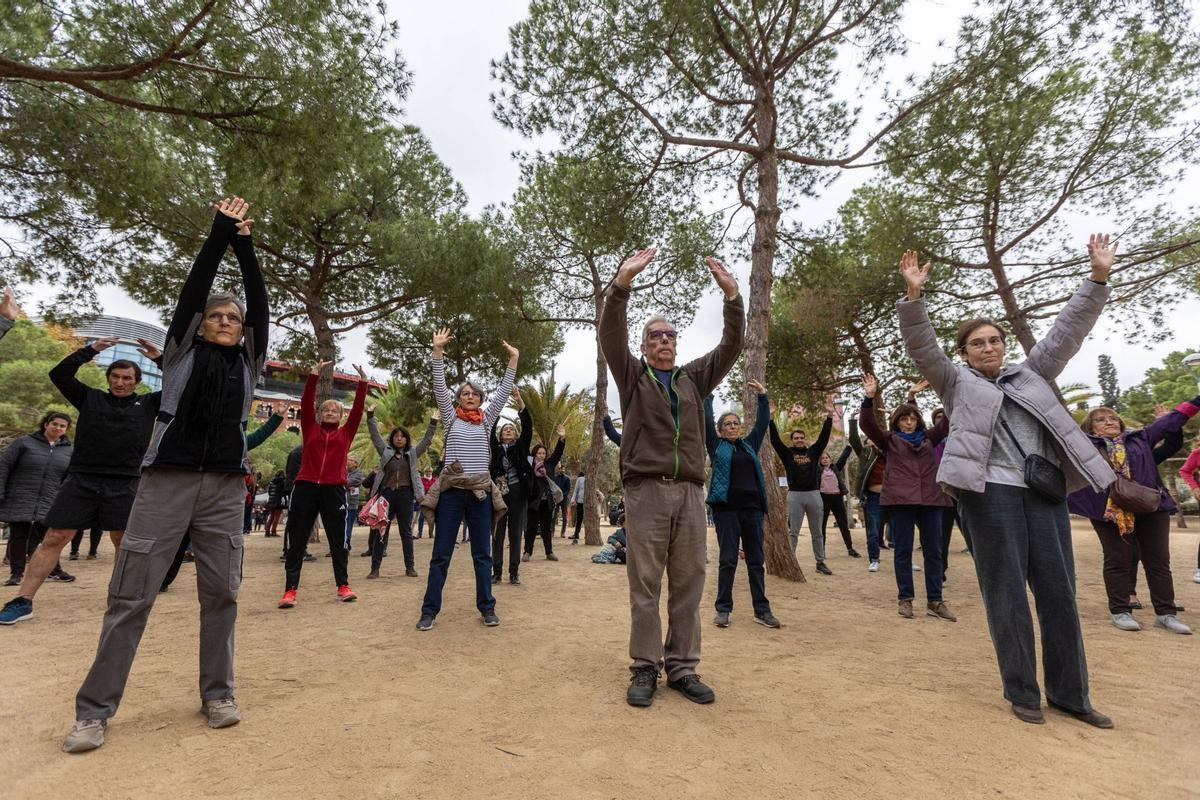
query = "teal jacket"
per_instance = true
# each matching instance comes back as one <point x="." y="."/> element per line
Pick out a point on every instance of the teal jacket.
<point x="262" y="432"/>
<point x="720" y="452"/>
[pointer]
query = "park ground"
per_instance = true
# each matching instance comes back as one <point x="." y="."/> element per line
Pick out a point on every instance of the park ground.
<point x="348" y="700"/>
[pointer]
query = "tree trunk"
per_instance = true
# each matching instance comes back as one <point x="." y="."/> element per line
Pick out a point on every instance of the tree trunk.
<point x="780" y="559"/>
<point x="326" y="351"/>
<point x="595" y="456"/>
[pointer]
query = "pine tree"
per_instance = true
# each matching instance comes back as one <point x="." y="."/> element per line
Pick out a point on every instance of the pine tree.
<point x="1110" y="390"/>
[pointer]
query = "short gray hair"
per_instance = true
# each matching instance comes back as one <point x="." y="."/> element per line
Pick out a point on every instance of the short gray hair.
<point x="721" y="419"/>
<point x="225" y="299"/>
<point x="655" y="319"/>
<point x="480" y="392"/>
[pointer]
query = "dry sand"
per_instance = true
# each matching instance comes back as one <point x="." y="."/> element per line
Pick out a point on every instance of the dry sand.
<point x="847" y="700"/>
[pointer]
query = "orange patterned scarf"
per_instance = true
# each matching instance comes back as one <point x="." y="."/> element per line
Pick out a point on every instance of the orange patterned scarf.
<point x="474" y="415"/>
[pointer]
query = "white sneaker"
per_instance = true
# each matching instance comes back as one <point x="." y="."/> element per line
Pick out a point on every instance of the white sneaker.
<point x="1196" y="577"/>
<point x="874" y="567"/>
<point x="1171" y="623"/>
<point x="916" y="567"/>
<point x="1125" y="621"/>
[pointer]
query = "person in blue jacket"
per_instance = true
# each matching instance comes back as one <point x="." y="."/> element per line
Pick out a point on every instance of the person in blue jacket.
<point x="737" y="495"/>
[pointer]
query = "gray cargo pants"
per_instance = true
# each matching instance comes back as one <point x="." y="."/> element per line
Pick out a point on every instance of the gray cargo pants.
<point x="810" y="505"/>
<point x="169" y="504"/>
<point x="666" y="528"/>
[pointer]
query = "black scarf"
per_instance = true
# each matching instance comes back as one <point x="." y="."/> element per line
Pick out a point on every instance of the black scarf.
<point x="204" y="396"/>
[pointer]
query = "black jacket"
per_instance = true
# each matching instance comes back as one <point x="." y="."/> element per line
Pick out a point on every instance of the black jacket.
<point x="292" y="467"/>
<point x="540" y="490"/>
<point x="208" y="388"/>
<point x="518" y="452"/>
<point x="30" y="473"/>
<point x="802" y="464"/>
<point x="112" y="432"/>
<point x="276" y="492"/>
<point x="868" y="456"/>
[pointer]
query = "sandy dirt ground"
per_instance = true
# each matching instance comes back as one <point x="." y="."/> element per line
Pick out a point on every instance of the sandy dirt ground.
<point x="847" y="700"/>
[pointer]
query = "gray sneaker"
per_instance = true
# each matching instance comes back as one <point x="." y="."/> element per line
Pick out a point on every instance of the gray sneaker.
<point x="1125" y="621"/>
<point x="222" y="713"/>
<point x="721" y="620"/>
<point x="1171" y="623"/>
<point x="768" y="619"/>
<point x="86" y="734"/>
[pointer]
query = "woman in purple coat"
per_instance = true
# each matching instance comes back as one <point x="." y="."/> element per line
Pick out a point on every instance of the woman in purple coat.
<point x="1130" y="453"/>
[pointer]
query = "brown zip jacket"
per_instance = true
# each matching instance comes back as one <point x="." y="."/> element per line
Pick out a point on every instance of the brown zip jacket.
<point x="652" y="444"/>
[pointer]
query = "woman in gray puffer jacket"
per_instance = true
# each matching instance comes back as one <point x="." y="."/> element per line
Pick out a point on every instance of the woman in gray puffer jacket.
<point x="31" y="470"/>
<point x="1000" y="415"/>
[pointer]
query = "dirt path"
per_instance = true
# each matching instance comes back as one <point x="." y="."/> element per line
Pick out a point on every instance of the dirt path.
<point x="348" y="700"/>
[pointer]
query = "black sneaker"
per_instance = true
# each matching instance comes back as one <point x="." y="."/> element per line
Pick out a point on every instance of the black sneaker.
<point x="642" y="686"/>
<point x="693" y="689"/>
<point x="309" y="557"/>
<point x="853" y="553"/>
<point x="61" y="576"/>
<point x="426" y="622"/>
<point x="92" y="556"/>
<point x="768" y="619"/>
<point x="824" y="570"/>
<point x="73" y="557"/>
<point x="14" y="580"/>
<point x="514" y="581"/>
<point x="365" y="554"/>
<point x="495" y="579"/>
<point x="490" y="619"/>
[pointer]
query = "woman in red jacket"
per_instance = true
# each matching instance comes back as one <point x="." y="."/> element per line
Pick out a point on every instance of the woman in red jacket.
<point x="911" y="497"/>
<point x="320" y="486"/>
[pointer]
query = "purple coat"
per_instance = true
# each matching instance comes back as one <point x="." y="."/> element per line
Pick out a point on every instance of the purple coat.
<point x="1139" y="454"/>
<point x="910" y="476"/>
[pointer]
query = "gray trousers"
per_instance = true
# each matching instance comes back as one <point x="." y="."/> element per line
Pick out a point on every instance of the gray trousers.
<point x="666" y="528"/>
<point x="1018" y="538"/>
<point x="170" y="503"/>
<point x="807" y="504"/>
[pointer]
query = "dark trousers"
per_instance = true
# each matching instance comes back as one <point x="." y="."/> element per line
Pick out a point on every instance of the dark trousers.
<point x="949" y="517"/>
<point x="248" y="519"/>
<point x="1021" y="539"/>
<point x="94" y="537"/>
<point x="874" y="521"/>
<point x="308" y="501"/>
<point x="562" y="512"/>
<point x="176" y="563"/>
<point x="928" y="520"/>
<point x="1151" y="533"/>
<point x="836" y="504"/>
<point x="743" y="528"/>
<point x="578" y="520"/>
<point x="512" y="526"/>
<point x="421" y="525"/>
<point x="23" y="539"/>
<point x="540" y="523"/>
<point x="455" y="505"/>
<point x="400" y="509"/>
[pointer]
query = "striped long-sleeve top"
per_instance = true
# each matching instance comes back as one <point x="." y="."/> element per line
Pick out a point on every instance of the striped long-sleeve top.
<point x="466" y="442"/>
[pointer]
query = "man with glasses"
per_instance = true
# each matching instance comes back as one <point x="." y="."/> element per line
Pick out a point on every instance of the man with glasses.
<point x="662" y="469"/>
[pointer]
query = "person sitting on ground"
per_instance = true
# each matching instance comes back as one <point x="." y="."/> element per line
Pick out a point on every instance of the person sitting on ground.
<point x="615" y="549"/>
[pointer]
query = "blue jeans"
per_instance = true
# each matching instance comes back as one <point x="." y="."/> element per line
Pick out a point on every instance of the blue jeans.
<point x="870" y="501"/>
<point x="453" y="506"/>
<point x="929" y="520"/>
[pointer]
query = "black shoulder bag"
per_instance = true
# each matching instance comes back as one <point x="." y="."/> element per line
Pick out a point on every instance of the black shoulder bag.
<point x="1040" y="474"/>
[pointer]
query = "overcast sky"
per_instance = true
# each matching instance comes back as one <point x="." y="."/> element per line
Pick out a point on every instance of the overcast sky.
<point x="449" y="46"/>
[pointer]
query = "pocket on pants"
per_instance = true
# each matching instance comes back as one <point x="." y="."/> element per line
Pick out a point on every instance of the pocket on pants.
<point x="237" y="552"/>
<point x="132" y="569"/>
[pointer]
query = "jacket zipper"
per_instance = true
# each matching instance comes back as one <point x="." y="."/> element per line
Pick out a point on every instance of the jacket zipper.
<point x="674" y="418"/>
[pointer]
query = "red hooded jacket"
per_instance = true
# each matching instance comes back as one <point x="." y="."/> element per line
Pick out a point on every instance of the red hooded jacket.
<point x="326" y="446"/>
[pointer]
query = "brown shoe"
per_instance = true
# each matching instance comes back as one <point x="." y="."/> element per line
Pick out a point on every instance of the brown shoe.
<point x="905" y="609"/>
<point x="1093" y="717"/>
<point x="410" y="573"/>
<point x="941" y="610"/>
<point x="373" y="573"/>
<point x="1033" y="716"/>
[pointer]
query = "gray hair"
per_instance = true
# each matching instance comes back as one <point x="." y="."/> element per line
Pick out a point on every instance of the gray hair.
<point x="721" y="419"/>
<point x="225" y="299"/>
<point x="466" y="384"/>
<point x="655" y="319"/>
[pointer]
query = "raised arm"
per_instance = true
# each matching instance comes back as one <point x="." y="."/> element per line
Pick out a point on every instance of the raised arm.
<point x="373" y="429"/>
<point x="818" y="447"/>
<point x="614" y="339"/>
<point x="1187" y="471"/>
<point x="709" y="370"/>
<point x="360" y="400"/>
<point x="556" y="456"/>
<point x="8" y="311"/>
<point x="710" y="427"/>
<point x="263" y="432"/>
<point x="916" y="330"/>
<point x="762" y="416"/>
<point x="64" y="372"/>
<point x="256" y="326"/>
<point x="1174" y="420"/>
<point x="781" y="449"/>
<point x="308" y="399"/>
<point x="940" y="431"/>
<point x="842" y="459"/>
<point x="525" y="438"/>
<point x="190" y="307"/>
<point x="869" y="425"/>
<point x="500" y="396"/>
<point x="855" y="439"/>
<point x="426" y="440"/>
<point x="1050" y="356"/>
<point x="610" y="430"/>
<point x="441" y="394"/>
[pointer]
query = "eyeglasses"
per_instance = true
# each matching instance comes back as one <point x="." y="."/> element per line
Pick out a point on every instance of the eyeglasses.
<point x="669" y="336"/>
<point x="979" y="344"/>
<point x="219" y="317"/>
<point x="731" y="423"/>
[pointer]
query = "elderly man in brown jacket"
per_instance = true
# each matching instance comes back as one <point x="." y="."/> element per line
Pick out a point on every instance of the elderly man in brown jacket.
<point x="662" y="468"/>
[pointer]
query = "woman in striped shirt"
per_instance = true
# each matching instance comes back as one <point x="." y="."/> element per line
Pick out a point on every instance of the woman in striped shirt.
<point x="465" y="486"/>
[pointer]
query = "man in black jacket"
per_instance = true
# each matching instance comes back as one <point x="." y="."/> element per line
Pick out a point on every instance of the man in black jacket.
<point x="110" y="439"/>
<point x="803" y="468"/>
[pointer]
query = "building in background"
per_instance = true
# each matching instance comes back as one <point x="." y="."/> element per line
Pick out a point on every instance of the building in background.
<point x="128" y="331"/>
